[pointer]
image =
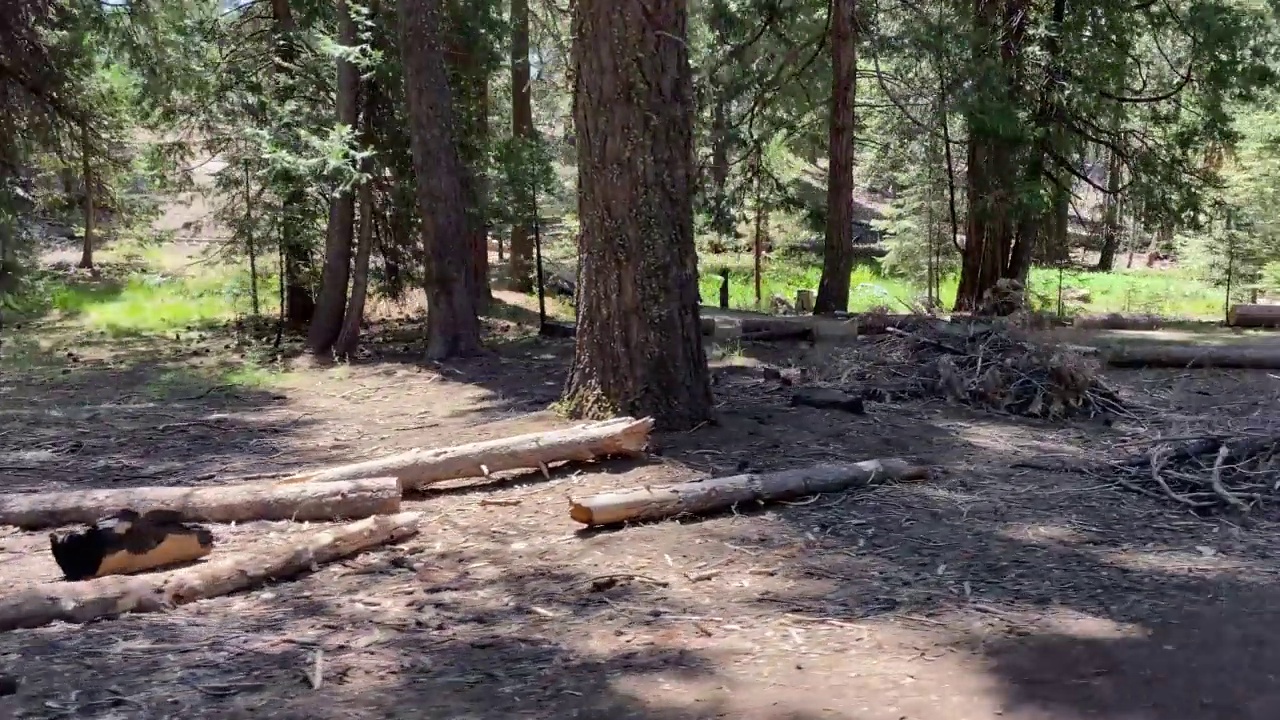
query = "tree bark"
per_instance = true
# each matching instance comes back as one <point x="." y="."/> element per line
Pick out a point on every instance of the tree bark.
<point x="299" y="304"/>
<point x="837" y="257"/>
<point x="521" y="268"/>
<point x="1111" y="217"/>
<point x="349" y="338"/>
<point x="717" y="494"/>
<point x="81" y="602"/>
<point x="421" y="467"/>
<point x="467" y="63"/>
<point x="453" y="326"/>
<point x="228" y="503"/>
<point x="639" y="350"/>
<point x="86" y="250"/>
<point x="326" y="322"/>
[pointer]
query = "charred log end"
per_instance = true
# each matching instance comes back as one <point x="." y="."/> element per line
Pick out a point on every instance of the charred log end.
<point x="127" y="542"/>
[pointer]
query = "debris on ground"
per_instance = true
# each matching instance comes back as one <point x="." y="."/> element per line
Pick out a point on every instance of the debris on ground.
<point x="1208" y="474"/>
<point x="982" y="364"/>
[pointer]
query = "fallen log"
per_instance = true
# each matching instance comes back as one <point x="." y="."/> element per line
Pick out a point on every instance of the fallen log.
<point x="80" y="602"/>
<point x="129" y="542"/>
<point x="420" y="467"/>
<point x="1191" y="356"/>
<point x="226" y="503"/>
<point x="1116" y="321"/>
<point x="716" y="494"/>
<point x="1254" y="316"/>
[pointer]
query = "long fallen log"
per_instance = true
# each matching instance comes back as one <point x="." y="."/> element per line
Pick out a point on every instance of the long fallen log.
<point x="104" y="597"/>
<point x="421" y="467"/>
<point x="721" y="493"/>
<point x="341" y="500"/>
<point x="1192" y="356"/>
<point x="1117" y="321"/>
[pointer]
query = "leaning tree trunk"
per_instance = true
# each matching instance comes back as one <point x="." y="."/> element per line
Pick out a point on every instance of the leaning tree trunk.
<point x="837" y="256"/>
<point x="326" y="322"/>
<point x="1111" y="217"/>
<point x="86" y="250"/>
<point x="639" y="346"/>
<point x="521" y="268"/>
<point x="453" y="327"/>
<point x="349" y="339"/>
<point x="298" y="302"/>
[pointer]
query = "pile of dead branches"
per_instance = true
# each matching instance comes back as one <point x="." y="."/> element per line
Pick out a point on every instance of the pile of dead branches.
<point x="987" y="364"/>
<point x="1207" y="475"/>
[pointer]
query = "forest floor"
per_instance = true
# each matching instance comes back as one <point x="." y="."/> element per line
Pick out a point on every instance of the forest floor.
<point x="990" y="591"/>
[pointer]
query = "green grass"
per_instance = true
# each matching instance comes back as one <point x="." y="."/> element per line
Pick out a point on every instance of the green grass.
<point x="146" y="303"/>
<point x="1168" y="293"/>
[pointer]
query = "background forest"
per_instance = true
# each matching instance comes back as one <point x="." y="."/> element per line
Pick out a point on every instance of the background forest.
<point x="1115" y="155"/>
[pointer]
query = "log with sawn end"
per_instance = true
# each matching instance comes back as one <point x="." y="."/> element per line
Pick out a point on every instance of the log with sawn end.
<point x="104" y="597"/>
<point x="715" y="494"/>
<point x="418" y="468"/>
<point x="339" y="500"/>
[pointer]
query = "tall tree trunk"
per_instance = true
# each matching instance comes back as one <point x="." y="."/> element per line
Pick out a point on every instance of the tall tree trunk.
<point x="992" y="180"/>
<point x="349" y="338"/>
<point x="639" y="349"/>
<point x="1111" y="216"/>
<point x="467" y="62"/>
<point x="326" y="322"/>
<point x="453" y="327"/>
<point x="837" y="256"/>
<point x="521" y="268"/>
<point x="298" y="301"/>
<point x="86" y="167"/>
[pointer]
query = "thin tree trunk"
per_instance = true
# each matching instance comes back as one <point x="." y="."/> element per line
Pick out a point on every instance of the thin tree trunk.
<point x="86" y="251"/>
<point x="837" y="257"/>
<point x="298" y="301"/>
<point x="521" y="268"/>
<point x="1111" y="217"/>
<point x="639" y="344"/>
<point x="250" y="246"/>
<point x="326" y="323"/>
<point x="349" y="338"/>
<point x="453" y="327"/>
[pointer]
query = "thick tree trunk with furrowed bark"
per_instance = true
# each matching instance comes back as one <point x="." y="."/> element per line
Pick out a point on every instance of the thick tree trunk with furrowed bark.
<point x="453" y="326"/>
<point x="521" y="269"/>
<point x="639" y="349"/>
<point x="837" y="256"/>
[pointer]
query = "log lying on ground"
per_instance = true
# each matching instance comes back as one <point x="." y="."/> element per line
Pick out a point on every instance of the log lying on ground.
<point x="1244" y="315"/>
<point x="129" y="542"/>
<point x="721" y="493"/>
<point x="110" y="596"/>
<point x="227" y="503"/>
<point x="1191" y="356"/>
<point x="1116" y="321"/>
<point x="421" y="467"/>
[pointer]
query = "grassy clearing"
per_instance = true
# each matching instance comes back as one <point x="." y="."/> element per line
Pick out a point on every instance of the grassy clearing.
<point x="1169" y="293"/>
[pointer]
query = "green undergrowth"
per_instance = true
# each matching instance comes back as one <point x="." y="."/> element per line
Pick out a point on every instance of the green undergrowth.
<point x="1167" y="293"/>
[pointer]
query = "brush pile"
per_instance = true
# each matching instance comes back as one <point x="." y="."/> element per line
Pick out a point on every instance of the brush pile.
<point x="1207" y="475"/>
<point x="980" y="364"/>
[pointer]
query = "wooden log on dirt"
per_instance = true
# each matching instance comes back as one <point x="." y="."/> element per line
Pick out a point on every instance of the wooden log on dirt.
<point x="129" y="542"/>
<point x="656" y="503"/>
<point x="1116" y="321"/>
<point x="420" y="467"/>
<point x="338" y="500"/>
<point x="110" y="596"/>
<point x="1191" y="356"/>
<point x="1254" y="316"/>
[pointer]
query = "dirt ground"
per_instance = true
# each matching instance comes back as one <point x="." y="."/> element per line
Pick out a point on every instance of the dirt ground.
<point x="992" y="590"/>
